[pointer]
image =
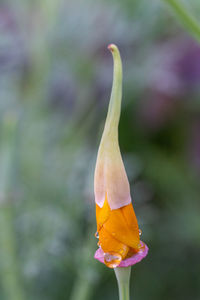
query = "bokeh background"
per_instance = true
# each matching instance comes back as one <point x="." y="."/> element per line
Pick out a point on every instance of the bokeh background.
<point x="55" y="83"/>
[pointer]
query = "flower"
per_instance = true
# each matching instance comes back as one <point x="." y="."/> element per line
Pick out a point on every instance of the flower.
<point x="117" y="226"/>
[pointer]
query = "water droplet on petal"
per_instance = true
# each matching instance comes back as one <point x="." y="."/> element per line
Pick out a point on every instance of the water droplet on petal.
<point x="141" y="247"/>
<point x="96" y="235"/>
<point x="140" y="231"/>
<point x="112" y="260"/>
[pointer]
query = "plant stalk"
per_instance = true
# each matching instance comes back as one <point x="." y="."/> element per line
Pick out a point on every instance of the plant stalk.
<point x="186" y="18"/>
<point x="9" y="269"/>
<point x="123" y="280"/>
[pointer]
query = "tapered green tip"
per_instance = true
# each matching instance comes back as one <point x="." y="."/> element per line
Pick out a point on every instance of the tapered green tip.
<point x="112" y="47"/>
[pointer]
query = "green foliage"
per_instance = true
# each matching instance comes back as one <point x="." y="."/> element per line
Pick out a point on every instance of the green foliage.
<point x="55" y="82"/>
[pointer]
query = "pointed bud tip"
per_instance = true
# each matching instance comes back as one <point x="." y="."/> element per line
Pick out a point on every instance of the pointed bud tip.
<point x="112" y="47"/>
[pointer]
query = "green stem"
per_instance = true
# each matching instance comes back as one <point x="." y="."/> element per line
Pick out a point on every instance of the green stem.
<point x="11" y="283"/>
<point x="185" y="18"/>
<point x="86" y="280"/>
<point x="10" y="279"/>
<point x="123" y="279"/>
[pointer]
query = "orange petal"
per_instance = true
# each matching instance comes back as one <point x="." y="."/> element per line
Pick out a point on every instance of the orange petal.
<point x="102" y="214"/>
<point x="117" y="226"/>
<point x="130" y="217"/>
<point x="120" y="223"/>
<point x="110" y="245"/>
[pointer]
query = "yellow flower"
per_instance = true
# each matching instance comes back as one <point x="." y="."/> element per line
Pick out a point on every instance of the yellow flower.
<point x="117" y="226"/>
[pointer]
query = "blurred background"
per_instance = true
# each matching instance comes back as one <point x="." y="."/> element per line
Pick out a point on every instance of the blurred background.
<point x="55" y="83"/>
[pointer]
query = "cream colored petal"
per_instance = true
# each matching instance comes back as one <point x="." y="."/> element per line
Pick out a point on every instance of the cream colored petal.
<point x="99" y="180"/>
<point x="110" y="174"/>
<point x="117" y="185"/>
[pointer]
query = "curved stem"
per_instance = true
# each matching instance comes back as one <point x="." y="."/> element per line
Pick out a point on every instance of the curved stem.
<point x="114" y="108"/>
<point x="123" y="279"/>
<point x="185" y="18"/>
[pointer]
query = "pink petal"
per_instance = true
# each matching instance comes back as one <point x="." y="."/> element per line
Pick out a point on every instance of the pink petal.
<point x="99" y="255"/>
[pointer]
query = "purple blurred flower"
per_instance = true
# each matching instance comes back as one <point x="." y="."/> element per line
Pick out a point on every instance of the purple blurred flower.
<point x="156" y="110"/>
<point x="12" y="50"/>
<point x="176" y="73"/>
<point x="188" y="64"/>
<point x="63" y="93"/>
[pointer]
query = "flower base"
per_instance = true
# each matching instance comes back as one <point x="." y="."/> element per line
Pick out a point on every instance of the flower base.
<point x="134" y="259"/>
